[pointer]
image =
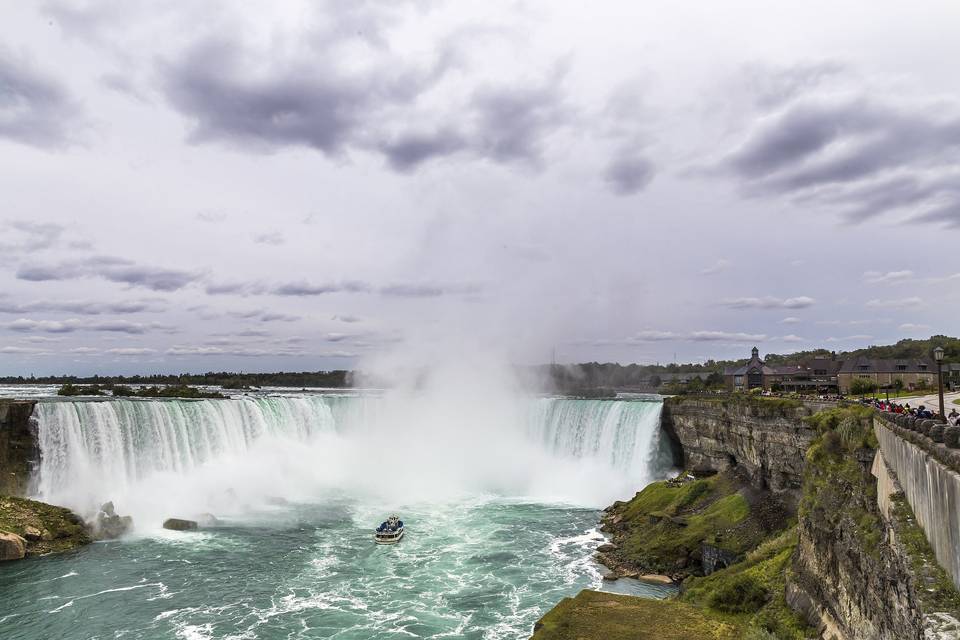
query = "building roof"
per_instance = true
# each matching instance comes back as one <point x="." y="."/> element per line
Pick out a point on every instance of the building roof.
<point x="875" y="365"/>
<point x="755" y="363"/>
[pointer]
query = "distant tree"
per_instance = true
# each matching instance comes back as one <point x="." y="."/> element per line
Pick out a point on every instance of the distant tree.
<point x="715" y="380"/>
<point x="862" y="386"/>
<point x="898" y="386"/>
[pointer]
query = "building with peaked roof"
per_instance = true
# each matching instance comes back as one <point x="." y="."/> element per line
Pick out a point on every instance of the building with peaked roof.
<point x="815" y="375"/>
<point x="912" y="373"/>
<point x="829" y="375"/>
<point x="755" y="374"/>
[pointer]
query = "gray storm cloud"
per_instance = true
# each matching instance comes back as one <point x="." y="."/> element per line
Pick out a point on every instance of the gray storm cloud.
<point x="197" y="185"/>
<point x="36" y="108"/>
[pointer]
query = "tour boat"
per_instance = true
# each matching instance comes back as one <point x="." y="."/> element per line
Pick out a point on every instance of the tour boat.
<point x="389" y="532"/>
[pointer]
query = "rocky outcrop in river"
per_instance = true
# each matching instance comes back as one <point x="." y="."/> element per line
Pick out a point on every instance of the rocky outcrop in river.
<point x="43" y="528"/>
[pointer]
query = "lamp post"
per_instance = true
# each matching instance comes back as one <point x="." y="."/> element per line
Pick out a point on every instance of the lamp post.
<point x="938" y="356"/>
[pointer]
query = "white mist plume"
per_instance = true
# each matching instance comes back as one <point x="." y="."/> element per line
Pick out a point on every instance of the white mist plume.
<point x="454" y="428"/>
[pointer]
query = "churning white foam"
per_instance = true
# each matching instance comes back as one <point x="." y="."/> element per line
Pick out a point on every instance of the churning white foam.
<point x="160" y="458"/>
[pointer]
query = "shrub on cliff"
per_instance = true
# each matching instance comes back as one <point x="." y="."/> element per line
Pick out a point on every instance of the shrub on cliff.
<point x="852" y="425"/>
<point x="741" y="594"/>
<point x="837" y="486"/>
<point x="737" y="590"/>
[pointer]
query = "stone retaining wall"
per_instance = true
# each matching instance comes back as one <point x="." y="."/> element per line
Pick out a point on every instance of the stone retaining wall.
<point x="926" y="472"/>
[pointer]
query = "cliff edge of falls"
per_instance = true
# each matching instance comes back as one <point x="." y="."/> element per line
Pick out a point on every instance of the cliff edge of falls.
<point x="28" y="527"/>
<point x="847" y="560"/>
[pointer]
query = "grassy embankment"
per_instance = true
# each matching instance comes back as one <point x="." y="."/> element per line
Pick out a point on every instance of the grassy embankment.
<point x="609" y="616"/>
<point x="662" y="529"/>
<point x="56" y="528"/>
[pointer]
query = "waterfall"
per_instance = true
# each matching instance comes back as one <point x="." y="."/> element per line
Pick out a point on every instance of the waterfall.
<point x="623" y="434"/>
<point x="155" y="450"/>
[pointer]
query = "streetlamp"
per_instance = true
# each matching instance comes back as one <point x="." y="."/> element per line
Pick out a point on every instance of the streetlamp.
<point x="938" y="356"/>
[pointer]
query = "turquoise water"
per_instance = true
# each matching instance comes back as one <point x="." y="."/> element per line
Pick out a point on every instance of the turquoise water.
<point x="500" y="495"/>
<point x="478" y="569"/>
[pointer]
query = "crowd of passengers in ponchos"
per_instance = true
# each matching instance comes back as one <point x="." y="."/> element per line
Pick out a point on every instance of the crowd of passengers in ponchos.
<point x="919" y="412"/>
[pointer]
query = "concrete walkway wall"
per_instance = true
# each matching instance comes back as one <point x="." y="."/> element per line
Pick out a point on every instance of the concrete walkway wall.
<point x="933" y="491"/>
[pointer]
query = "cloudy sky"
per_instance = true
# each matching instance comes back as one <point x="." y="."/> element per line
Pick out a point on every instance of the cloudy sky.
<point x="299" y="185"/>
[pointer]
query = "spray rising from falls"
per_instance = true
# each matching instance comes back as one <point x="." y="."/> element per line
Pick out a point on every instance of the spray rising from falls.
<point x="163" y="457"/>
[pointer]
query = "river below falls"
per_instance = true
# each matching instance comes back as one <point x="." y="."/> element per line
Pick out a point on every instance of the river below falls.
<point x="475" y="568"/>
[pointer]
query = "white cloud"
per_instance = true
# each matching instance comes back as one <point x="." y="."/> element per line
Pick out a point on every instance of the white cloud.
<point x="720" y="265"/>
<point x="897" y="303"/>
<point x="696" y="336"/>
<point x="768" y="302"/>
<point x="790" y="320"/>
<point x="21" y="350"/>
<point x="876" y="277"/>
<point x="131" y="351"/>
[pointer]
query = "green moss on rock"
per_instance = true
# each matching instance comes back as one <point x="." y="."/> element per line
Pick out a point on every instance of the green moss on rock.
<point x="47" y="528"/>
<point x="754" y="589"/>
<point x="761" y="406"/>
<point x="837" y="480"/>
<point x="663" y="528"/>
<point x="593" y="615"/>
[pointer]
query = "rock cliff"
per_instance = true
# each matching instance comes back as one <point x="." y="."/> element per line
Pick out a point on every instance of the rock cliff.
<point x="765" y="439"/>
<point x="863" y="569"/>
<point x="18" y="446"/>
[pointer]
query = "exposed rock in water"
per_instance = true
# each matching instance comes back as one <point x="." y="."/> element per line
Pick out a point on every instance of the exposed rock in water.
<point x="179" y="524"/>
<point x="33" y="534"/>
<point x="44" y="528"/>
<point x="207" y="520"/>
<point x="108" y="525"/>
<point x="12" y="546"/>
<point x="606" y="548"/>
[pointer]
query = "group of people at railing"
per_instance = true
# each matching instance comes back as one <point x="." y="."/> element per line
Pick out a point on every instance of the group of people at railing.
<point x="921" y="411"/>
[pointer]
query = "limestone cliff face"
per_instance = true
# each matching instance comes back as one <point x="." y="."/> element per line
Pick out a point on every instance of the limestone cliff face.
<point x="863" y="569"/>
<point x="766" y="439"/>
<point x="18" y="446"/>
<point x="849" y="576"/>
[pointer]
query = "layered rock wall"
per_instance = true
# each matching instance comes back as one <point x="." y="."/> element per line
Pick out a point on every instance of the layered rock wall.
<point x="767" y="440"/>
<point x="859" y="572"/>
<point x="19" y="452"/>
<point x="850" y="577"/>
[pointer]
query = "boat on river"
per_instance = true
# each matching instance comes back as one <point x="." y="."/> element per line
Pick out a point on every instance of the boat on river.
<point x="390" y="531"/>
